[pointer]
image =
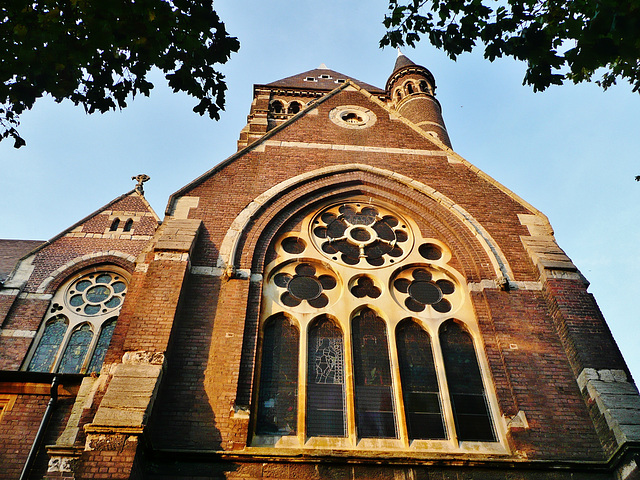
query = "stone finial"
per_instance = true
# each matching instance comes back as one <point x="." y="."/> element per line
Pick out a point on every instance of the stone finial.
<point x="141" y="179"/>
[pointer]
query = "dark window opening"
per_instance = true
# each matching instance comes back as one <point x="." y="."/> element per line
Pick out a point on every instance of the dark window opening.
<point x="277" y="107"/>
<point x="294" y="107"/>
<point x="114" y="225"/>
<point x="375" y="416"/>
<point x="409" y="88"/>
<point x="468" y="400"/>
<point x="278" y="398"/>
<point x="420" y="391"/>
<point x="128" y="225"/>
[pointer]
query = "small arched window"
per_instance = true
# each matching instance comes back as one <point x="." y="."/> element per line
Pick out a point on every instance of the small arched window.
<point x="294" y="107"/>
<point x="114" y="225"/>
<point x="468" y="400"/>
<point x="409" y="88"/>
<point x="101" y="347"/>
<point x="398" y="94"/>
<point x="278" y="399"/>
<point x="326" y="394"/>
<point x="277" y="107"/>
<point x="375" y="417"/>
<point x="424" y="87"/>
<point x="76" y="350"/>
<point x="128" y="225"/>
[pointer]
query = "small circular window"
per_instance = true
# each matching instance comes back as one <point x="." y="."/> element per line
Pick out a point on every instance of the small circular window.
<point x="352" y="116"/>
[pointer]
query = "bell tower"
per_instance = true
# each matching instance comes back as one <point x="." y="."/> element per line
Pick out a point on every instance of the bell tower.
<point x="411" y="92"/>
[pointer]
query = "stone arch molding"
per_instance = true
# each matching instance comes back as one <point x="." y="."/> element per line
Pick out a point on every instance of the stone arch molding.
<point x="63" y="271"/>
<point x="231" y="241"/>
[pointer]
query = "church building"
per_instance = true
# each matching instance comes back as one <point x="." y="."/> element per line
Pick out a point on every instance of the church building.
<point x="345" y="297"/>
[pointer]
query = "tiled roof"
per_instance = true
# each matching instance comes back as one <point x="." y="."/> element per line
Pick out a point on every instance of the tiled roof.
<point x="321" y="78"/>
<point x="13" y="250"/>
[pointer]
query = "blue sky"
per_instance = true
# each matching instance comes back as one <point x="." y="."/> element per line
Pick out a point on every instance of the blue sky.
<point x="571" y="151"/>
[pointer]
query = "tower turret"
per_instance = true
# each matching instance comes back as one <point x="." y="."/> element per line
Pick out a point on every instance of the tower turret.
<point x="411" y="91"/>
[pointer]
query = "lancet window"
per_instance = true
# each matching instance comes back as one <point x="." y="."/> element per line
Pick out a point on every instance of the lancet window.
<point x="368" y="339"/>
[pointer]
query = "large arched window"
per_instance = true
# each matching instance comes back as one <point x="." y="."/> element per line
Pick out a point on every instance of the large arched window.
<point x="382" y="363"/>
<point x="77" y="328"/>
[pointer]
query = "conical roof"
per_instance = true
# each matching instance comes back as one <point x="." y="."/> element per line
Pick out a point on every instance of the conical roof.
<point x="321" y="78"/>
<point x="401" y="62"/>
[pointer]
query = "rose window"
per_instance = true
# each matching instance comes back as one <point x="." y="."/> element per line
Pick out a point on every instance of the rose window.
<point x="420" y="289"/>
<point x="364" y="236"/>
<point x="96" y="293"/>
<point x="304" y="282"/>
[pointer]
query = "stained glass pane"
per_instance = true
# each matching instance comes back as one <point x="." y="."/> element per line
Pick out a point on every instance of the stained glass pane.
<point x="420" y="390"/>
<point x="76" y="350"/>
<point x="45" y="354"/>
<point x="325" y="381"/>
<point x="375" y="416"/>
<point x="468" y="399"/>
<point x="101" y="347"/>
<point x="278" y="397"/>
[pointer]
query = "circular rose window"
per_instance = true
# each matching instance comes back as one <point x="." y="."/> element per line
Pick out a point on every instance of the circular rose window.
<point x="362" y="235"/>
<point x="96" y="293"/>
<point x="352" y="116"/>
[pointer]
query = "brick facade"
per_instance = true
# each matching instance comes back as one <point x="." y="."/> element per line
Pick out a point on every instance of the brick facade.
<point x="177" y="395"/>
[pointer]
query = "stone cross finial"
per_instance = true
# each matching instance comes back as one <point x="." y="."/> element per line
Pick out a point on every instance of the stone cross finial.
<point x="141" y="179"/>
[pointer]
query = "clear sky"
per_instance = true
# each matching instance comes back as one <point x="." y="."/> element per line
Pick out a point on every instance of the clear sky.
<point x="572" y="151"/>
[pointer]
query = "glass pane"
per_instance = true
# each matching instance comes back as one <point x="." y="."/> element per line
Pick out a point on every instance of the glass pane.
<point x="45" y="354"/>
<point x="104" y="278"/>
<point x="278" y="397"/>
<point x="101" y="347"/>
<point x="325" y="381"/>
<point x="76" y="350"/>
<point x="375" y="416"/>
<point x="98" y="294"/>
<point x="468" y="399"/>
<point x="420" y="390"/>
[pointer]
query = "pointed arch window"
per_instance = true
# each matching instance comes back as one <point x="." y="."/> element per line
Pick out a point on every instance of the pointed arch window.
<point x="278" y="399"/>
<point x="420" y="389"/>
<point x="382" y="363"/>
<point x="87" y="303"/>
<point x="468" y="398"/>
<point x="44" y="356"/>
<point x="375" y="416"/>
<point x="326" y="400"/>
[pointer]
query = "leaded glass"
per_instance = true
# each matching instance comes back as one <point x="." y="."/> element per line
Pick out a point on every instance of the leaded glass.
<point x="76" y="350"/>
<point x="278" y="399"/>
<point x="375" y="417"/>
<point x="325" y="381"/>
<point x="420" y="392"/>
<point x="468" y="400"/>
<point x="45" y="354"/>
<point x="101" y="346"/>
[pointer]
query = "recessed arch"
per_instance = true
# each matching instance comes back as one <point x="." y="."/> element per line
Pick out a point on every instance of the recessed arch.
<point x="229" y="258"/>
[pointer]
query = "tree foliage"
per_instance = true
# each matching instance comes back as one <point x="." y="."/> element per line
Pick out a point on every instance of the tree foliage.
<point x="558" y="39"/>
<point x="99" y="53"/>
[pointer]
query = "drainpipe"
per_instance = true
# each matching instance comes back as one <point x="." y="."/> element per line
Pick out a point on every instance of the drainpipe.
<point x="43" y="428"/>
